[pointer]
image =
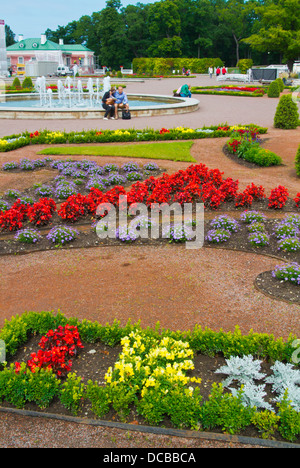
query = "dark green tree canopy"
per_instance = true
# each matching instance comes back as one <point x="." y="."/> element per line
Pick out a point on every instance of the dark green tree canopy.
<point x="277" y="29"/>
<point x="264" y="30"/>
<point x="9" y="36"/>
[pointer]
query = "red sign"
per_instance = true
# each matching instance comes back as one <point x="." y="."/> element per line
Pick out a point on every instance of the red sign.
<point x="2" y="22"/>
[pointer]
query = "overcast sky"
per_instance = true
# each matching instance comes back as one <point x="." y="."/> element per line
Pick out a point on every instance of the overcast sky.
<point x="32" y="17"/>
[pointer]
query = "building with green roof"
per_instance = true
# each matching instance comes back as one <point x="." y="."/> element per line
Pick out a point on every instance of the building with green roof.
<point x="42" y="49"/>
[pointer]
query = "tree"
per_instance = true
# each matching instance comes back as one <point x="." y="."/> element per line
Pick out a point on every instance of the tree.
<point x="237" y="16"/>
<point x="164" y="29"/>
<point x="135" y="18"/>
<point x="87" y="32"/>
<point x="9" y="36"/>
<point x="197" y="25"/>
<point x="112" y="34"/>
<point x="67" y="33"/>
<point x="277" y="29"/>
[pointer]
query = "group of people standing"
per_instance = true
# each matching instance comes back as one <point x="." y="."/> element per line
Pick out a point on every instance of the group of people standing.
<point x="218" y="71"/>
<point x="113" y="100"/>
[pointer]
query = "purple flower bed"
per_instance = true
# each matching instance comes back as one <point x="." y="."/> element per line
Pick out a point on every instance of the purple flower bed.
<point x="225" y="222"/>
<point x="62" y="234"/>
<point x="290" y="273"/>
<point x="217" y="236"/>
<point x="28" y="236"/>
<point x="259" y="239"/>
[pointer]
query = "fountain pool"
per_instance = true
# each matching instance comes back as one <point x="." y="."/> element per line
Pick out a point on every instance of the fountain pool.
<point x="71" y="101"/>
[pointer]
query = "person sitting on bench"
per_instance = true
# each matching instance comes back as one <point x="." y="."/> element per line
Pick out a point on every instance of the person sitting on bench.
<point x="121" y="100"/>
<point x="108" y="103"/>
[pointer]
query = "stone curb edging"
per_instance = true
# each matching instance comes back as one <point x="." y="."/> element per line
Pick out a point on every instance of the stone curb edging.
<point x="180" y="106"/>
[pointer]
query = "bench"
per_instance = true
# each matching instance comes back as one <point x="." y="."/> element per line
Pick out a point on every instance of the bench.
<point x="234" y="77"/>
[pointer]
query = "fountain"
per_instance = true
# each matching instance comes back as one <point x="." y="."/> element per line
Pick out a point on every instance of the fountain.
<point x="69" y="94"/>
<point x="74" y="101"/>
<point x="40" y="87"/>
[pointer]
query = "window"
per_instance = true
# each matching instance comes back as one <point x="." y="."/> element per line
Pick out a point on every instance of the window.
<point x="20" y="59"/>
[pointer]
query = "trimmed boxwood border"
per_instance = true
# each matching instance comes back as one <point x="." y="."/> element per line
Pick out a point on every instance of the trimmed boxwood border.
<point x="110" y="136"/>
<point x="16" y="332"/>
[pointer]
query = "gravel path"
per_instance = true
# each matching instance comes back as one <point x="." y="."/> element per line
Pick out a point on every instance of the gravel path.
<point x="31" y="432"/>
<point x="172" y="285"/>
<point x="213" y="110"/>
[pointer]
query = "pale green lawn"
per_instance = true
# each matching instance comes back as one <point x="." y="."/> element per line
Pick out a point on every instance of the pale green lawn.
<point x="173" y="150"/>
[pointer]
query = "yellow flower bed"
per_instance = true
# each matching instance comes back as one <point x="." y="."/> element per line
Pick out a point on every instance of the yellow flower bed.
<point x="148" y="363"/>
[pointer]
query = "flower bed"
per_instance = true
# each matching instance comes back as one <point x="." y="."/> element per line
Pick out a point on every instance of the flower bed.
<point x="187" y="380"/>
<point x="197" y="183"/>
<point x="245" y="145"/>
<point x="250" y="91"/>
<point x="22" y="215"/>
<point x="13" y="142"/>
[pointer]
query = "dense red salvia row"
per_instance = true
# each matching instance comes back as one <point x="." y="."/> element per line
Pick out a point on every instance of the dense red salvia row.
<point x="196" y="183"/>
<point x="38" y="214"/>
<point x="57" y="348"/>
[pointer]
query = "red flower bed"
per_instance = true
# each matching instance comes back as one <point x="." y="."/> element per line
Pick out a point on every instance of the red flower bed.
<point x="35" y="134"/>
<point x="278" y="197"/>
<point x="234" y="145"/>
<point x="197" y="183"/>
<point x="243" y="199"/>
<point x="164" y="130"/>
<point x="225" y="129"/>
<point x="243" y="88"/>
<point x="257" y="192"/>
<point x="77" y="206"/>
<point x="41" y="212"/>
<point x="57" y="348"/>
<point x="13" y="218"/>
<point x="297" y="200"/>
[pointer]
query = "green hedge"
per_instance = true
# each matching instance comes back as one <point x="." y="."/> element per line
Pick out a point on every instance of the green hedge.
<point x="251" y="151"/>
<point x="15" y="333"/>
<point x="280" y="84"/>
<point x="273" y="89"/>
<point x="262" y="157"/>
<point x="27" y="83"/>
<point x="165" y="66"/>
<point x="182" y="405"/>
<point x="16" y="83"/>
<point x="286" y="115"/>
<point x="244" y="65"/>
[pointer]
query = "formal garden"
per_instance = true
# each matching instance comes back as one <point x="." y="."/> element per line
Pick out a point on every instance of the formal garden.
<point x="200" y="379"/>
